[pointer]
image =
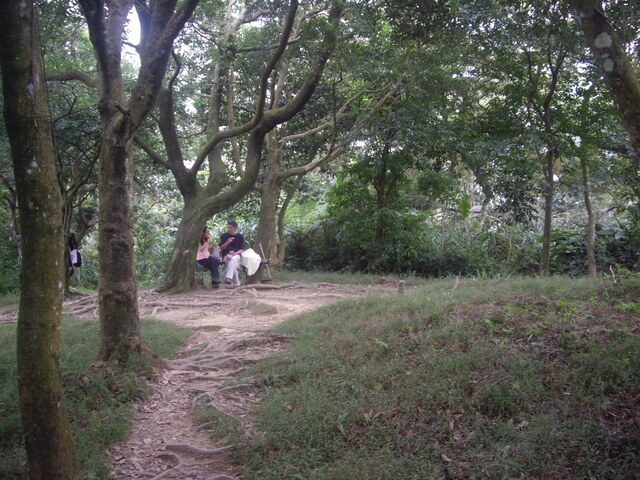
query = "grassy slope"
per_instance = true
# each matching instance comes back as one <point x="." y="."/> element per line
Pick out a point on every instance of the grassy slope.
<point x="518" y="378"/>
<point x="98" y="400"/>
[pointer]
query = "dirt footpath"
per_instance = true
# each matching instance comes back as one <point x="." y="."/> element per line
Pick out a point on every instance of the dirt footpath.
<point x="232" y="331"/>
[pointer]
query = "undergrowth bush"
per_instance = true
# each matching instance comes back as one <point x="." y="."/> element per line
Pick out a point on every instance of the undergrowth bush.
<point x="414" y="247"/>
<point x="9" y="261"/>
<point x="469" y="249"/>
<point x="616" y="246"/>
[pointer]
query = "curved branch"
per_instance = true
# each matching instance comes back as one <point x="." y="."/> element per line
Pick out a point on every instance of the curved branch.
<point x="264" y="79"/>
<point x="333" y="153"/>
<point x="73" y="75"/>
<point x="286" y="112"/>
<point x="155" y="156"/>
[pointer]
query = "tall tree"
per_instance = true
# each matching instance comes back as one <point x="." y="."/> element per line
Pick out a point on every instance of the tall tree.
<point x="617" y="71"/>
<point x="296" y="154"/>
<point x="160" y="21"/>
<point x="618" y="74"/>
<point x="49" y="444"/>
<point x="246" y="134"/>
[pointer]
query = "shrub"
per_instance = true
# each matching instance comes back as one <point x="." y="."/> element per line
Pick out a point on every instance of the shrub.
<point x="413" y="246"/>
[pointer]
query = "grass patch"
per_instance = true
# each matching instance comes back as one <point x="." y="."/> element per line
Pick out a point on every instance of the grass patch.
<point x="259" y="308"/>
<point x="99" y="401"/>
<point x="511" y="378"/>
<point x="220" y="425"/>
<point x="9" y="304"/>
<point x="343" y="278"/>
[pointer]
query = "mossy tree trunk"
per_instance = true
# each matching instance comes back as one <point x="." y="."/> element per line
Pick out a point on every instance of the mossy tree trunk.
<point x="49" y="444"/>
<point x="282" y="238"/>
<point x="160" y="22"/>
<point x="591" y="219"/>
<point x="617" y="71"/>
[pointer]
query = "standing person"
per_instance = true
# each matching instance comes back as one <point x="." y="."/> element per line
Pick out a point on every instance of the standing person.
<point x="75" y="257"/>
<point x="232" y="246"/>
<point x="208" y="261"/>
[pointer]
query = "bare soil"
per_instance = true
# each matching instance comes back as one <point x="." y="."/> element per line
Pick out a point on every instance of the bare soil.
<point x="233" y="329"/>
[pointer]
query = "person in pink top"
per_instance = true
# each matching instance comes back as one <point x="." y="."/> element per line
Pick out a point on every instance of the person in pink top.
<point x="208" y="261"/>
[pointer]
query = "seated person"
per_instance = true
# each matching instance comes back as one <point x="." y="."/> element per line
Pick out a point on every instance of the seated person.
<point x="208" y="261"/>
<point x="232" y="246"/>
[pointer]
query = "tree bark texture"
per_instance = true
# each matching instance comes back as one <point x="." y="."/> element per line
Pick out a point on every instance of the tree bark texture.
<point x="183" y="255"/>
<point x="282" y="238"/>
<point x="617" y="71"/>
<point x="49" y="444"/>
<point x="266" y="231"/>
<point x="591" y="220"/>
<point x="545" y="254"/>
<point x="544" y="113"/>
<point x="160" y="23"/>
<point x="117" y="287"/>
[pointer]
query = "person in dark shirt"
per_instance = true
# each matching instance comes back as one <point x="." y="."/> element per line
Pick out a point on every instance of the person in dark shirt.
<point x="231" y="247"/>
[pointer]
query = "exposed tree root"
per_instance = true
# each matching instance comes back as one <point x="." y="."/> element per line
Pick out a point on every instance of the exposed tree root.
<point x="256" y="341"/>
<point x="204" y="378"/>
<point x="191" y="450"/>
<point x="236" y="387"/>
<point x="9" y="317"/>
<point x="267" y="286"/>
<point x="205" y="426"/>
<point x="202" y="365"/>
<point x="180" y="463"/>
<point x="172" y="456"/>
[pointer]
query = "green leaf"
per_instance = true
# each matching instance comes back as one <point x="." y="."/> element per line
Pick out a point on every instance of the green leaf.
<point x="465" y="206"/>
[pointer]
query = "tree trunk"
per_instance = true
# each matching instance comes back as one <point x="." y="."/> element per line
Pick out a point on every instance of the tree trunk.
<point x="49" y="444"/>
<point x="160" y="22"/>
<point x="591" y="220"/>
<point x="380" y="186"/>
<point x="183" y="256"/>
<point x="548" y="212"/>
<point x="282" y="238"/>
<point x="618" y="73"/>
<point x="117" y="287"/>
<point x="266" y="231"/>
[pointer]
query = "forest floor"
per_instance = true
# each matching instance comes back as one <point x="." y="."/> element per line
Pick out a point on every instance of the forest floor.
<point x="233" y="328"/>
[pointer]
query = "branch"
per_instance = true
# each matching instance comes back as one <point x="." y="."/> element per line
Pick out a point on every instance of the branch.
<point x="178" y="63"/>
<point x="333" y="153"/>
<point x="325" y="125"/>
<point x="534" y="85"/>
<point x="155" y="53"/>
<point x="73" y="75"/>
<point x="282" y="114"/>
<point x="233" y="132"/>
<point x="155" y="156"/>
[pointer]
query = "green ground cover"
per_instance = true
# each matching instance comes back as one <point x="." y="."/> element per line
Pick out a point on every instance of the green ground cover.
<point x="511" y="378"/>
<point x="99" y="400"/>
